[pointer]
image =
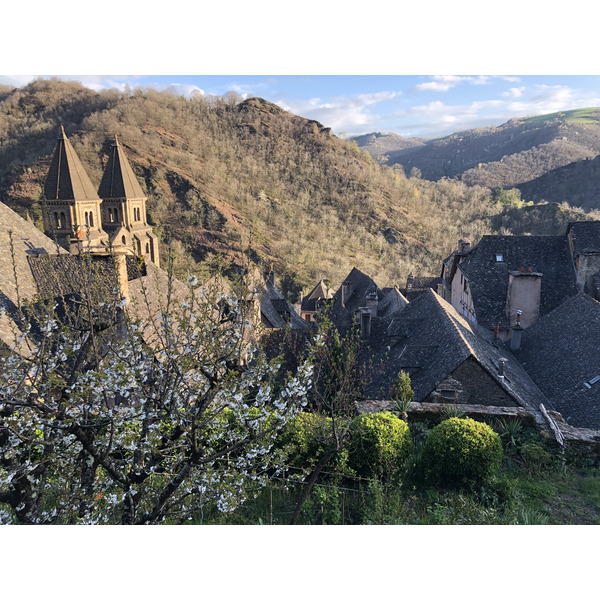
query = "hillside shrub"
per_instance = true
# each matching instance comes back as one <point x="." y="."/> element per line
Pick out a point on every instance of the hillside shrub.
<point x="461" y="452"/>
<point x="381" y="445"/>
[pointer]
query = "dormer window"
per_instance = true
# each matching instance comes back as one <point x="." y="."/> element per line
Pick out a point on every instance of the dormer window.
<point x="499" y="257"/>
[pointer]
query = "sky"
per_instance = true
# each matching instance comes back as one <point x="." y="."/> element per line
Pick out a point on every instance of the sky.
<point x="417" y="71"/>
<point x="408" y="105"/>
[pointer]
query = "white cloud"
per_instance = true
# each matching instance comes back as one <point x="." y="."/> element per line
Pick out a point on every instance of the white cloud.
<point x="443" y="83"/>
<point x="342" y="113"/>
<point x="515" y="92"/>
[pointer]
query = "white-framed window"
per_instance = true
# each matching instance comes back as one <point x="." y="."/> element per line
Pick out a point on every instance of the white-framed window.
<point x="499" y="257"/>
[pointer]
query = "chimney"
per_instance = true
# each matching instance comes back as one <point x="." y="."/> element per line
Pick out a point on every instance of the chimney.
<point x="347" y="289"/>
<point x="365" y="323"/>
<point x="409" y="282"/>
<point x="517" y="332"/>
<point x="464" y="246"/>
<point x="524" y="291"/>
<point x="501" y="363"/>
<point x="372" y="303"/>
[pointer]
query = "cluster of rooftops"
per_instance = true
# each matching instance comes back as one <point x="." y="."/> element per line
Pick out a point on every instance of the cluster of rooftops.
<point x="513" y="322"/>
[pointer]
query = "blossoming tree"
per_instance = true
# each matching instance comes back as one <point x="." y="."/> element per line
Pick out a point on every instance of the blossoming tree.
<point x="110" y="419"/>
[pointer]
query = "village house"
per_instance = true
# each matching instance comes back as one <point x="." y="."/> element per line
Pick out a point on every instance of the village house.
<point x="506" y="280"/>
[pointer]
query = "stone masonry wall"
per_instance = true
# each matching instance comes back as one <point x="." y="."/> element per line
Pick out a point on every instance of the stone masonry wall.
<point x="473" y="385"/>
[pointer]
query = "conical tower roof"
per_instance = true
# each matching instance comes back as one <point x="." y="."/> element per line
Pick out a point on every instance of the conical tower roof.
<point x="67" y="179"/>
<point x="118" y="180"/>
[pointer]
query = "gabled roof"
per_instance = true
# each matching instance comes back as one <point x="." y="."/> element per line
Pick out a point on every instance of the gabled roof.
<point x="488" y="278"/>
<point x="276" y="310"/>
<point x="66" y="178"/>
<point x="119" y="180"/>
<point x="585" y="236"/>
<point x="318" y="293"/>
<point x="342" y="315"/>
<point x="392" y="302"/>
<point x="429" y="339"/>
<point x="561" y="352"/>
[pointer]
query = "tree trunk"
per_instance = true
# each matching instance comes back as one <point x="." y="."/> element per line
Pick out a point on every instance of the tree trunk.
<point x="310" y="484"/>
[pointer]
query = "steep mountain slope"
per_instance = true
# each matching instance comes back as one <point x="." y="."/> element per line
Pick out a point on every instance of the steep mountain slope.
<point x="578" y="183"/>
<point x="508" y="155"/>
<point x="227" y="182"/>
<point x="382" y="144"/>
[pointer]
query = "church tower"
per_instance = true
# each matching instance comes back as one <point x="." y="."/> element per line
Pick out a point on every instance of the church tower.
<point x="124" y="207"/>
<point x="71" y="208"/>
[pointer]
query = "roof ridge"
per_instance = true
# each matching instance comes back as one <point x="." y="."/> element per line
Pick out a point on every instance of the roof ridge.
<point x="444" y="310"/>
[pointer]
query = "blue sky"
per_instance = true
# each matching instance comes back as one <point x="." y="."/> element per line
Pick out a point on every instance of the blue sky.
<point x="422" y="69"/>
<point x="409" y="105"/>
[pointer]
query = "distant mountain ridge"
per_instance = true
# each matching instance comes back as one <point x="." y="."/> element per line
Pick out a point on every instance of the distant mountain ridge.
<point x="518" y="153"/>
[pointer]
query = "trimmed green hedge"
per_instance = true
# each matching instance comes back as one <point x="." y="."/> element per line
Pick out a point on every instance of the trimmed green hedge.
<point x="461" y="452"/>
<point x="381" y="445"/>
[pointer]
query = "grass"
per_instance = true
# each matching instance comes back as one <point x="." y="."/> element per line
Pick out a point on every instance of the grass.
<point x="580" y="115"/>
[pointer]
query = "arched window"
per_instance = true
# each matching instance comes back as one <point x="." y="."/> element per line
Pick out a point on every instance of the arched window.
<point x="147" y="248"/>
<point x="56" y="221"/>
<point x="123" y="240"/>
<point x="111" y="215"/>
<point x="63" y="220"/>
<point x="87" y="218"/>
<point x="91" y="218"/>
<point x="139" y="247"/>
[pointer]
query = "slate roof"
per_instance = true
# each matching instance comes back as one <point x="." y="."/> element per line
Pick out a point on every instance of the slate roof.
<point x="429" y="339"/>
<point x="392" y="302"/>
<point x="27" y="241"/>
<point x="118" y="180"/>
<point x="274" y="307"/>
<point x="488" y="279"/>
<point x="585" y="236"/>
<point x="312" y="301"/>
<point x="420" y="285"/>
<point x="66" y="178"/>
<point x="341" y="315"/>
<point x="561" y="351"/>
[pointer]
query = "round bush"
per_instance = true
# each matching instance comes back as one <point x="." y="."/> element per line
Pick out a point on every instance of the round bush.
<point x="381" y="445"/>
<point x="461" y="452"/>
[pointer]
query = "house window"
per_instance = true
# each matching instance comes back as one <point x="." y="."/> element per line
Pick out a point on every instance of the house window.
<point x="499" y="257"/>
<point x="448" y="394"/>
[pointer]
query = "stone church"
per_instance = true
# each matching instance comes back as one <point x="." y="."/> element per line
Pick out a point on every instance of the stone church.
<point x="112" y="218"/>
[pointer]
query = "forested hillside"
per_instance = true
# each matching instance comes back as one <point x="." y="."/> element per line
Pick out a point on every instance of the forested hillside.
<point x="224" y="176"/>
<point x="520" y="151"/>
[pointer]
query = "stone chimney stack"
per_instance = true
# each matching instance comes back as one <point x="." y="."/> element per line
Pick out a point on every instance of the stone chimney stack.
<point x="365" y="323"/>
<point x="372" y="303"/>
<point x="409" y="282"/>
<point x="347" y="289"/>
<point x="517" y="332"/>
<point x="464" y="246"/>
<point x="523" y="297"/>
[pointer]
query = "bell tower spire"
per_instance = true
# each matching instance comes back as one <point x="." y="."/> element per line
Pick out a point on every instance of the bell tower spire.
<point x="71" y="204"/>
<point x="124" y="215"/>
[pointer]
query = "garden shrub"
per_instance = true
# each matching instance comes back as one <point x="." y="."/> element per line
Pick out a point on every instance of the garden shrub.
<point x="381" y="445"/>
<point x="305" y="439"/>
<point x="535" y="456"/>
<point x="461" y="452"/>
